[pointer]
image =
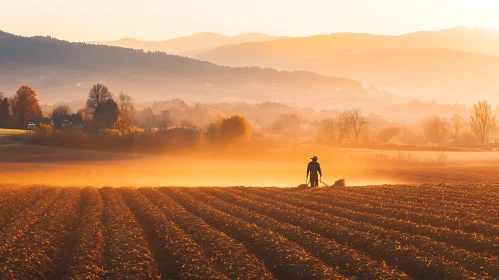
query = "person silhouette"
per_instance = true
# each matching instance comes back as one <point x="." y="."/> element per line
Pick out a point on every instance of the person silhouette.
<point x="314" y="169"/>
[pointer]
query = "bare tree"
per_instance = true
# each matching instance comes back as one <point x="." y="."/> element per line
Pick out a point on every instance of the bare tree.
<point x="350" y="124"/>
<point x="344" y="128"/>
<point x="457" y="124"/>
<point x="482" y="121"/>
<point x="98" y="95"/>
<point x="357" y="122"/>
<point x="125" y="103"/>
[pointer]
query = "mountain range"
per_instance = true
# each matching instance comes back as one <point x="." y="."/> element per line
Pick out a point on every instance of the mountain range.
<point x="459" y="64"/>
<point x="457" y="59"/>
<point x="63" y="71"/>
<point x="447" y="61"/>
<point x="189" y="45"/>
<point x="477" y="40"/>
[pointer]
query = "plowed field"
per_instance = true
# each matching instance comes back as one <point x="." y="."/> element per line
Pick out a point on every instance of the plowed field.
<point x="377" y="232"/>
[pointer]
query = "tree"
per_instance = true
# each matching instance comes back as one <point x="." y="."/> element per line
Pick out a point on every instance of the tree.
<point x="288" y="124"/>
<point x="4" y="109"/>
<point x="126" y="109"/>
<point x="164" y="120"/>
<point x="457" y="124"/>
<point x="328" y="132"/>
<point x="233" y="128"/>
<point x="482" y="121"/>
<point x="357" y="122"/>
<point x="98" y="95"/>
<point x="106" y="114"/>
<point x="350" y="124"/>
<point x="59" y="113"/>
<point x="43" y="130"/>
<point x="125" y="103"/>
<point x="212" y="133"/>
<point x="25" y="105"/>
<point x="146" y="118"/>
<point x="344" y="129"/>
<point x="435" y="129"/>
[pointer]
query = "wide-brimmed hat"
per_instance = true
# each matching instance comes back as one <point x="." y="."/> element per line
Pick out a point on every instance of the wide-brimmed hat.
<point x="314" y="158"/>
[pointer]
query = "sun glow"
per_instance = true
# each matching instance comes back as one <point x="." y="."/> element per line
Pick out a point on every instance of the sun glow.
<point x="151" y="19"/>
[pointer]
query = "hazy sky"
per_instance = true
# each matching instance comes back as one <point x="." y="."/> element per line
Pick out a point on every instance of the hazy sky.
<point x="78" y="20"/>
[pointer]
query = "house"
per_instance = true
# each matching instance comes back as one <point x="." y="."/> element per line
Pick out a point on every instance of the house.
<point x="31" y="125"/>
<point x="37" y="121"/>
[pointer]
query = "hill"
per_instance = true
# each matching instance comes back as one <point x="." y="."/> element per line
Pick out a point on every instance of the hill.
<point x="479" y="40"/>
<point x="460" y="58"/>
<point x="54" y="67"/>
<point x="188" y="45"/>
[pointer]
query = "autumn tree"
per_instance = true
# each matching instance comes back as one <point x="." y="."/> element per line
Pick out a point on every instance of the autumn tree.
<point x="98" y="96"/>
<point x="126" y="112"/>
<point x="457" y="124"/>
<point x="4" y="109"/>
<point x="482" y="122"/>
<point x="25" y="105"/>
<point x="233" y="128"/>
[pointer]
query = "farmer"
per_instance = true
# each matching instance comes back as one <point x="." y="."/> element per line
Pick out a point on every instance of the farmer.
<point x="313" y="168"/>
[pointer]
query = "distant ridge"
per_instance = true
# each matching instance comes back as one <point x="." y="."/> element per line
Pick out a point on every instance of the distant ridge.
<point x="188" y="45"/>
<point x="58" y="67"/>
<point x="478" y="40"/>
<point x="454" y="59"/>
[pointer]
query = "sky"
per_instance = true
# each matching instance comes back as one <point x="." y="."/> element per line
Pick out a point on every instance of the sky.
<point x="104" y="20"/>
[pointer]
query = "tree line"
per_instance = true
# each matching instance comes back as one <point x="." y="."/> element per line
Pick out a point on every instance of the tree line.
<point x="18" y="110"/>
<point x="352" y="127"/>
<point x="108" y="122"/>
<point x="103" y="59"/>
<point x="111" y="116"/>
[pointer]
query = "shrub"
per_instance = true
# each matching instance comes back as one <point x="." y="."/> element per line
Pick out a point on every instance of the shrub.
<point x="42" y="131"/>
<point x="233" y="128"/>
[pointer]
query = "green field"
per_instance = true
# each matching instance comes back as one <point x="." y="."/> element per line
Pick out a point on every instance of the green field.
<point x="12" y="136"/>
<point x="8" y="132"/>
